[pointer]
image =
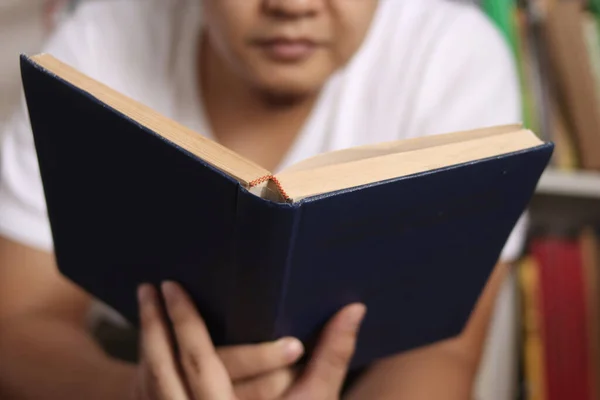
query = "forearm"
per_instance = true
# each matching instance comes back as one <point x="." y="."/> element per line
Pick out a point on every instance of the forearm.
<point x="429" y="373"/>
<point x="43" y="357"/>
<point x="444" y="370"/>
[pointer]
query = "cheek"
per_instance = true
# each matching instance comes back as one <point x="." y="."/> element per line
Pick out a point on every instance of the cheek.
<point x="228" y="21"/>
<point x="351" y="21"/>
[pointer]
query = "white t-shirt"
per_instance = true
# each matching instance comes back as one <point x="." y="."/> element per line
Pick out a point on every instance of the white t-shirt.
<point x="426" y="67"/>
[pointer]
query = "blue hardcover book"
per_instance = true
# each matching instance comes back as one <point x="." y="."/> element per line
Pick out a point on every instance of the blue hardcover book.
<point x="411" y="228"/>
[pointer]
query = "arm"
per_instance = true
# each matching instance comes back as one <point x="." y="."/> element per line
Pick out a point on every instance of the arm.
<point x="444" y="370"/>
<point x="47" y="353"/>
<point x="43" y="339"/>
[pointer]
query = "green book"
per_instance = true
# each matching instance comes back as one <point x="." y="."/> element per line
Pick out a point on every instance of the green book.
<point x="504" y="14"/>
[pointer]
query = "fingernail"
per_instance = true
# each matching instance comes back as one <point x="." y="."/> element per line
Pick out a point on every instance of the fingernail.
<point x="170" y="292"/>
<point x="292" y="348"/>
<point x="144" y="293"/>
<point x="354" y="316"/>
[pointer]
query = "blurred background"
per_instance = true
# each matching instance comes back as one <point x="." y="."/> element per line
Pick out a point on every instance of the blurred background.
<point x="556" y="45"/>
<point x="24" y="25"/>
<point x="544" y="341"/>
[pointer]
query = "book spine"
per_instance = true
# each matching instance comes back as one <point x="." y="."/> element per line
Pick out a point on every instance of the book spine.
<point x="577" y="346"/>
<point x="575" y="78"/>
<point x="263" y="240"/>
<point x="591" y="262"/>
<point x="545" y="255"/>
<point x="533" y="351"/>
<point x="564" y="314"/>
<point x="270" y="179"/>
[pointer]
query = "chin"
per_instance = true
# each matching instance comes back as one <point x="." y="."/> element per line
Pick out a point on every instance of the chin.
<point x="287" y="89"/>
<point x="290" y="82"/>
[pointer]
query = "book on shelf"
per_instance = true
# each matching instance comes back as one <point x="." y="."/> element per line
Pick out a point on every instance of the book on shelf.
<point x="411" y="228"/>
<point x="531" y="327"/>
<point x="575" y="78"/>
<point x="589" y="240"/>
<point x="559" y="281"/>
<point x="555" y="44"/>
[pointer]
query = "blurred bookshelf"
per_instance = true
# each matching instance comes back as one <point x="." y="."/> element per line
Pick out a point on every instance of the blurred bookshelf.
<point x="556" y="182"/>
<point x="555" y="317"/>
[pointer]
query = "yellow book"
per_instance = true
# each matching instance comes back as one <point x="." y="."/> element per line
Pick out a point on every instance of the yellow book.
<point x="532" y="336"/>
<point x="565" y="156"/>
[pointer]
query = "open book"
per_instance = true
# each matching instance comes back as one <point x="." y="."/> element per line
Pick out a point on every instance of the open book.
<point x="412" y="228"/>
<point x="321" y="174"/>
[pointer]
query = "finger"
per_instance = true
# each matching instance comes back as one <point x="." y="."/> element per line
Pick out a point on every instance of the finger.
<point x="159" y="370"/>
<point x="205" y="373"/>
<point x="266" y="387"/>
<point x="249" y="361"/>
<point x="327" y="368"/>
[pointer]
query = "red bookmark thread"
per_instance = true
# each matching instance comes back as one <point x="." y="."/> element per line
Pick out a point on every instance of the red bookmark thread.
<point x="272" y="179"/>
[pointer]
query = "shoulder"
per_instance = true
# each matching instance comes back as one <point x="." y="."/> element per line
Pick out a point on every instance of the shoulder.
<point x="429" y="30"/>
<point x="104" y="24"/>
<point x="468" y="35"/>
<point x="464" y="48"/>
<point x="428" y="19"/>
<point x="119" y="42"/>
<point x="435" y="66"/>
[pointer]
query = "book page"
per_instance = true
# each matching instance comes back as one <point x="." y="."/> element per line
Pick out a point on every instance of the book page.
<point x="300" y="184"/>
<point x="382" y="149"/>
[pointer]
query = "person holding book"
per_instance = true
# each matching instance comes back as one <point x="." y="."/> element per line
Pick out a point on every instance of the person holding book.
<point x="276" y="81"/>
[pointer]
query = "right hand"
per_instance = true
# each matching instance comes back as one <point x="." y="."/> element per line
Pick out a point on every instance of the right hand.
<point x="252" y="372"/>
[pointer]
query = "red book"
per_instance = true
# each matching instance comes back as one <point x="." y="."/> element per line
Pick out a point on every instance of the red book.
<point x="564" y="318"/>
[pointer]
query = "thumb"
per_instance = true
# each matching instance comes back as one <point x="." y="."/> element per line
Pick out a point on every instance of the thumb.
<point x="327" y="368"/>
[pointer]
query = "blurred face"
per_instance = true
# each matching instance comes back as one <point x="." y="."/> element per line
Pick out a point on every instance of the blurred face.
<point x="288" y="47"/>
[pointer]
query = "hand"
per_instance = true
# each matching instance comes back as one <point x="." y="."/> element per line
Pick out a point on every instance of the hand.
<point x="255" y="369"/>
<point x="201" y="372"/>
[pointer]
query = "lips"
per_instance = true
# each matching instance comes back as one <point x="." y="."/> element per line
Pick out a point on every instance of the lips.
<point x="287" y="50"/>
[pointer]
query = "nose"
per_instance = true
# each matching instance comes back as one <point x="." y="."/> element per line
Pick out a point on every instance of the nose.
<point x="293" y="8"/>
